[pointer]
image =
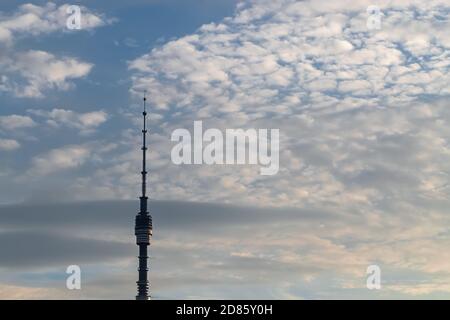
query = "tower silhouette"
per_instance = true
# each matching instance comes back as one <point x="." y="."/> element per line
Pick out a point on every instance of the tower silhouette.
<point x="143" y="227"/>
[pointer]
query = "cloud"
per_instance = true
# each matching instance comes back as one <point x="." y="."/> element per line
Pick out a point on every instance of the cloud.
<point x="67" y="157"/>
<point x="8" y="145"/>
<point x="52" y="249"/>
<point x="219" y="251"/>
<point x="339" y="92"/>
<point x="85" y="122"/>
<point x="169" y="214"/>
<point x="13" y="122"/>
<point x="11" y="292"/>
<point x="300" y="41"/>
<point x="34" y="20"/>
<point x="31" y="73"/>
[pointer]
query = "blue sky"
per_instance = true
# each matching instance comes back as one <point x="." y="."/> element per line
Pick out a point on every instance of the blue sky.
<point x="364" y="156"/>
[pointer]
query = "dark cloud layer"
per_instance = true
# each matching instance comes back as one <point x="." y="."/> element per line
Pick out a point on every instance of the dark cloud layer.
<point x="166" y="214"/>
<point x="32" y="250"/>
<point x="200" y="250"/>
<point x="44" y="235"/>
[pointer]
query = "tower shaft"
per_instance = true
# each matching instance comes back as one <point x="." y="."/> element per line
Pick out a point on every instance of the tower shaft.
<point x="143" y="226"/>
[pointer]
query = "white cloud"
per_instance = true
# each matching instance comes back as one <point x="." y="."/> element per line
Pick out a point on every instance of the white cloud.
<point x="31" y="73"/>
<point x="14" y="121"/>
<point x="362" y="117"/>
<point x="276" y="64"/>
<point x="85" y="122"/>
<point x="32" y="20"/>
<point x="67" y="157"/>
<point x="8" y="145"/>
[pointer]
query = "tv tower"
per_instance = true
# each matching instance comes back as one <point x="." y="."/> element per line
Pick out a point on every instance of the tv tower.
<point x="143" y="228"/>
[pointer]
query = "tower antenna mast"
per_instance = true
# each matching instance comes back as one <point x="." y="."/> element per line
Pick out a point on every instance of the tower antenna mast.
<point x="143" y="227"/>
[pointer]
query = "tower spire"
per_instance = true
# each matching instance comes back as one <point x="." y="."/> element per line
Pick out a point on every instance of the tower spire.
<point x="143" y="227"/>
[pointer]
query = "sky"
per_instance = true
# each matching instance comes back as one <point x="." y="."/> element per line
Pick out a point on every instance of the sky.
<point x="364" y="148"/>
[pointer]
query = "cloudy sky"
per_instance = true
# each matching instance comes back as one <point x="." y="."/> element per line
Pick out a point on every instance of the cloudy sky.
<point x="364" y="148"/>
